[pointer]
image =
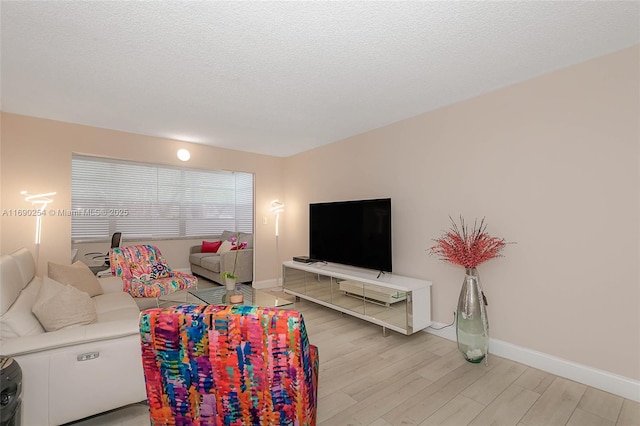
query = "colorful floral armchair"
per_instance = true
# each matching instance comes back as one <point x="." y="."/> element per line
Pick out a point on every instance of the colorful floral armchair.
<point x="228" y="365"/>
<point x="145" y="272"/>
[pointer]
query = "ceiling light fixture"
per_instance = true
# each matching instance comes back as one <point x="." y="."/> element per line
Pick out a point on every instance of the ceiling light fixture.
<point x="184" y="155"/>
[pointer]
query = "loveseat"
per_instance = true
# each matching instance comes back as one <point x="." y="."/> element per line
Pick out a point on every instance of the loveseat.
<point x="212" y="264"/>
<point x="74" y="371"/>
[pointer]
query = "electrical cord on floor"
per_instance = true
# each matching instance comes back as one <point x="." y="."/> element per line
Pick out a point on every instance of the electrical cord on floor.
<point x="445" y="326"/>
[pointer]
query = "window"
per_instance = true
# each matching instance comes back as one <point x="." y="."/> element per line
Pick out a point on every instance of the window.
<point x="148" y="201"/>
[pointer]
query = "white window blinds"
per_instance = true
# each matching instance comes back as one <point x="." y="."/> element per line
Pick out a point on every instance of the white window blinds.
<point x="148" y="201"/>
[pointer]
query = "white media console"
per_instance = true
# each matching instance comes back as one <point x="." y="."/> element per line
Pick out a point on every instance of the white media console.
<point x="394" y="302"/>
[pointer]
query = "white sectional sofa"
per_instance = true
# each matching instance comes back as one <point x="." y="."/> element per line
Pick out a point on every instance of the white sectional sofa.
<point x="73" y="372"/>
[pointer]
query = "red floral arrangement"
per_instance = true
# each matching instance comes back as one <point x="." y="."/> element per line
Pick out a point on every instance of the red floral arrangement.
<point x="468" y="249"/>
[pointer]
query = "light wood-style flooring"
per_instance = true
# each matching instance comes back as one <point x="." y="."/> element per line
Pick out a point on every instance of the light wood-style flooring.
<point x="368" y="379"/>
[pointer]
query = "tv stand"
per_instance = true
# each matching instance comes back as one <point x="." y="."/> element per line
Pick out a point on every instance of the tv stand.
<point x="394" y="302"/>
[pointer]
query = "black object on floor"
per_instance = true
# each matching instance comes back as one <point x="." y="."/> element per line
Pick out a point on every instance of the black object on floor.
<point x="10" y="392"/>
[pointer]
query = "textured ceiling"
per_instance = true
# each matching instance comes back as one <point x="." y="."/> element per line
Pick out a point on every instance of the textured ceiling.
<point x="283" y="77"/>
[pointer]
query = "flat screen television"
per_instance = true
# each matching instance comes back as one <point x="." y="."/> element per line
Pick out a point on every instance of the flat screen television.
<point x="356" y="233"/>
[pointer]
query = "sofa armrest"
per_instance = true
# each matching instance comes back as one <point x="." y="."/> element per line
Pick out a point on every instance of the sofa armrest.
<point x="70" y="337"/>
<point x="195" y="249"/>
<point x="111" y="284"/>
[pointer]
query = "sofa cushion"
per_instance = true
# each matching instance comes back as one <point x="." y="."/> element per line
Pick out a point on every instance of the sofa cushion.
<point x="115" y="306"/>
<point x="196" y="258"/>
<point x="77" y="275"/>
<point x="211" y="263"/>
<point x="59" y="306"/>
<point x="19" y="321"/>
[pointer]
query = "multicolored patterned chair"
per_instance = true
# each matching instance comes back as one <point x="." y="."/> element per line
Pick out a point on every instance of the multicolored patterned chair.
<point x="145" y="272"/>
<point x="228" y="365"/>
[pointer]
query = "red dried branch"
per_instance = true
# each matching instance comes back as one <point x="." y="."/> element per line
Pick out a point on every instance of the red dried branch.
<point x="468" y="249"/>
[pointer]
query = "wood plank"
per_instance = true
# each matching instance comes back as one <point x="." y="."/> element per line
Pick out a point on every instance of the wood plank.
<point x="459" y="411"/>
<point x="488" y="387"/>
<point x="333" y="403"/>
<point x="602" y="404"/>
<point x="629" y="414"/>
<point x="508" y="408"/>
<point x="419" y="407"/>
<point x="581" y="417"/>
<point x="556" y="405"/>
<point x="443" y="366"/>
<point x="535" y="380"/>
<point x="376" y="380"/>
<point x="374" y="406"/>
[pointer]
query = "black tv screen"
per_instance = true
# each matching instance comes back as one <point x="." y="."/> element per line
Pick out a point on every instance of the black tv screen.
<point x="356" y="233"/>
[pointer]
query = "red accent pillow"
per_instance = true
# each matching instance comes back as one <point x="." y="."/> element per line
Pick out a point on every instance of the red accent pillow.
<point x="210" y="246"/>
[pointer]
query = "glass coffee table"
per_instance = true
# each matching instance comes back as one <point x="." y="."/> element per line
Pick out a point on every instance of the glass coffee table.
<point x="251" y="296"/>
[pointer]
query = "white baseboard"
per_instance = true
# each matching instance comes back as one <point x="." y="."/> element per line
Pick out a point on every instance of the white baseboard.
<point x="600" y="379"/>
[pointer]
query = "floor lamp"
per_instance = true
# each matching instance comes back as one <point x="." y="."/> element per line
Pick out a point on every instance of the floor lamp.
<point x="277" y="207"/>
<point x="40" y="201"/>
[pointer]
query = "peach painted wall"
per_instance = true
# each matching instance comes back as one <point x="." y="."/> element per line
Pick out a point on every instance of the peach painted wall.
<point x="35" y="155"/>
<point x="552" y="163"/>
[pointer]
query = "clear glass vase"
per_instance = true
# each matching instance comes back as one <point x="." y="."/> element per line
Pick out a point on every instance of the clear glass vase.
<point x="472" y="324"/>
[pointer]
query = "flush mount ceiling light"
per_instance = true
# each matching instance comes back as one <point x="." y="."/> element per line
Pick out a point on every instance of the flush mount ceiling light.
<point x="184" y="155"/>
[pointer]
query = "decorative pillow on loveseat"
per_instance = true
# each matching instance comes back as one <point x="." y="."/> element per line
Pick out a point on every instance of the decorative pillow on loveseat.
<point x="210" y="246"/>
<point x="225" y="247"/>
<point x="59" y="306"/>
<point x="229" y="246"/>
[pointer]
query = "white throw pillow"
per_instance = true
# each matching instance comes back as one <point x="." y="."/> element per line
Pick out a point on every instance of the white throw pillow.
<point x="225" y="247"/>
<point x="59" y="306"/>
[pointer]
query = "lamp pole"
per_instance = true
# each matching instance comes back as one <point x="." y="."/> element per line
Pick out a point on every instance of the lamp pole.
<point x="277" y="207"/>
<point x="40" y="201"/>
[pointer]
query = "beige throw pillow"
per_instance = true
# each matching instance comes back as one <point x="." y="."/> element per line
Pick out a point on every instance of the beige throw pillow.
<point x="224" y="247"/>
<point x="78" y="275"/>
<point x="59" y="306"/>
